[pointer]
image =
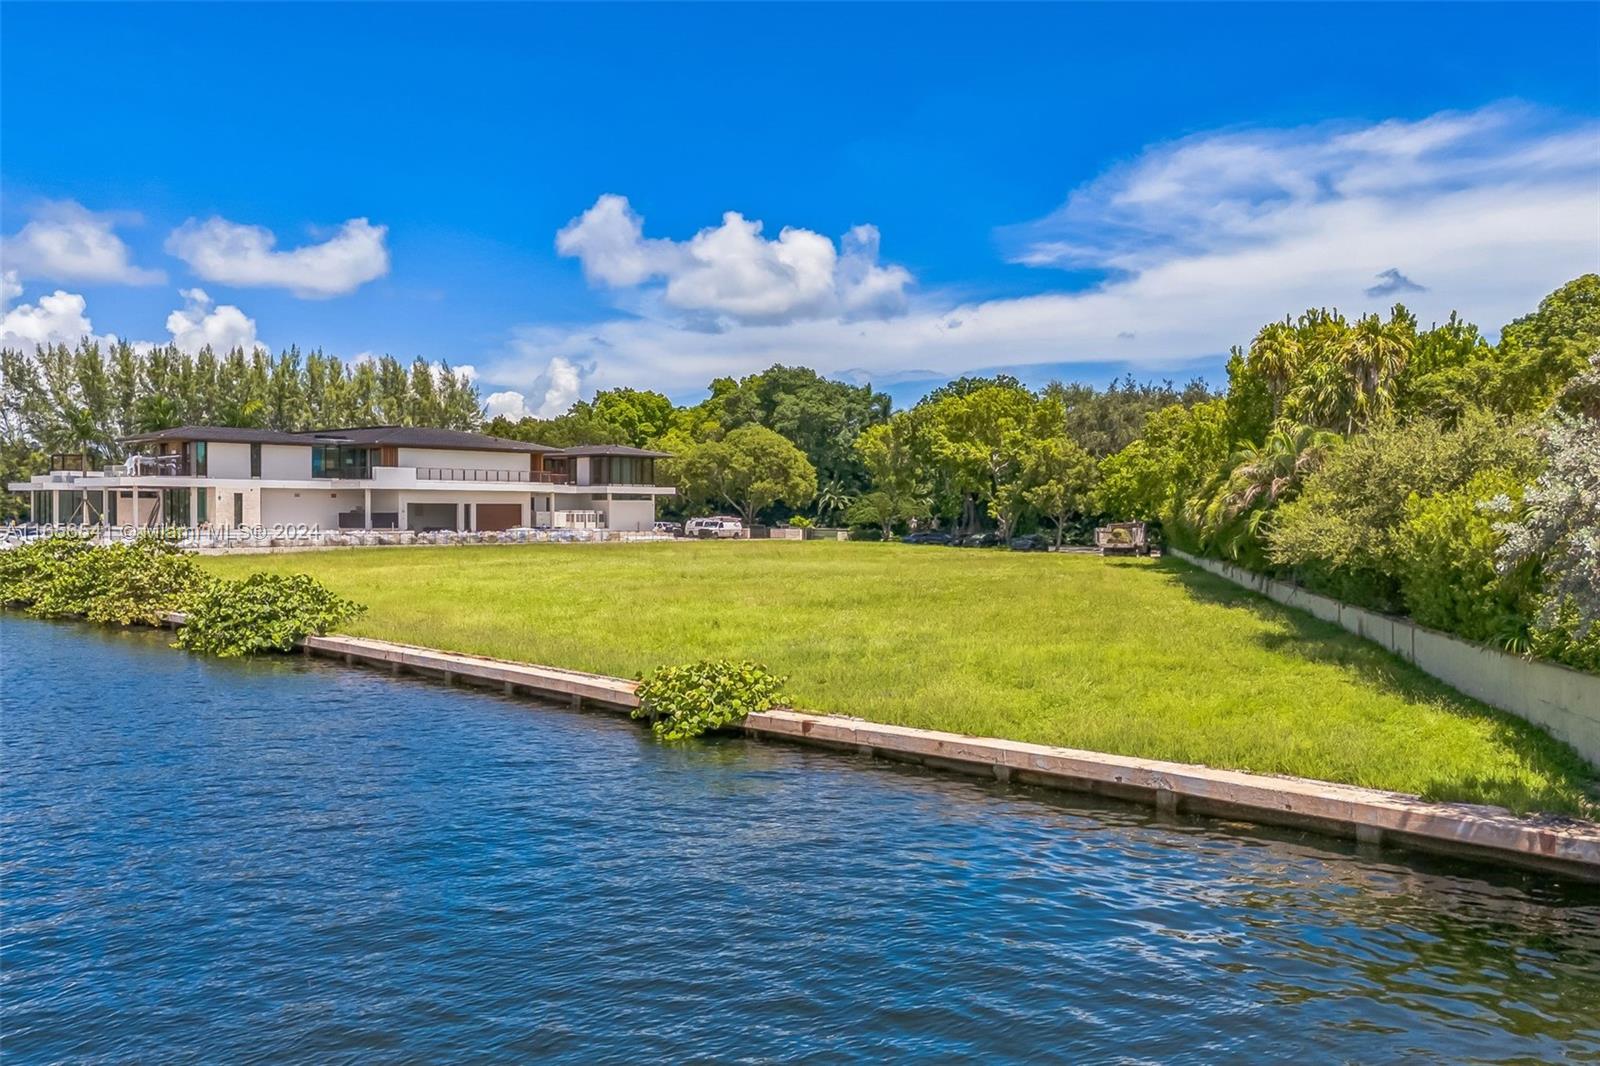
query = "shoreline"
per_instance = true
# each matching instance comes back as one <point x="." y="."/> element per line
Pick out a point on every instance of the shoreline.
<point x="1372" y="817"/>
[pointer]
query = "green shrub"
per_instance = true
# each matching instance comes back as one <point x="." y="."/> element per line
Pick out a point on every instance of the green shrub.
<point x="1559" y="640"/>
<point x="264" y="612"/>
<point x="31" y="573"/>
<point x="1446" y="548"/>
<point x="120" y="584"/>
<point x="800" y="521"/>
<point x="141" y="582"/>
<point x="686" y="701"/>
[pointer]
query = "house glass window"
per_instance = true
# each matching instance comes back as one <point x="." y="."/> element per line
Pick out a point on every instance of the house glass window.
<point x="340" y="461"/>
<point x="238" y="508"/>
<point x="255" y="460"/>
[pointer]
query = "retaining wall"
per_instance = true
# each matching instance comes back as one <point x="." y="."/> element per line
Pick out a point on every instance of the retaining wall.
<point x="1370" y="816"/>
<point x="1564" y="701"/>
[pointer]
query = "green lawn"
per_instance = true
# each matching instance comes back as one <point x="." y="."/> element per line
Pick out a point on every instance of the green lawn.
<point x="1138" y="657"/>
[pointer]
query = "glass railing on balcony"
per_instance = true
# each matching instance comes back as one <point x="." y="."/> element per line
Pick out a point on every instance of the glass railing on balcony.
<point x="151" y="465"/>
<point x="460" y="473"/>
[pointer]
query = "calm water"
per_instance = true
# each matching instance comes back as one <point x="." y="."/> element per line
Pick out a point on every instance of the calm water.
<point x="210" y="861"/>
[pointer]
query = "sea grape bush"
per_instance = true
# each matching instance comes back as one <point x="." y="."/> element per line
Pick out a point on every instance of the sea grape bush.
<point x="67" y="576"/>
<point x="689" y="700"/>
<point x="263" y="612"/>
<point x="119" y="584"/>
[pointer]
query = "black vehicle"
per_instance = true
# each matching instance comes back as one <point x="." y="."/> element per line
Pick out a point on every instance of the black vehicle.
<point x="930" y="536"/>
<point x="979" y="540"/>
<point x="1033" y="542"/>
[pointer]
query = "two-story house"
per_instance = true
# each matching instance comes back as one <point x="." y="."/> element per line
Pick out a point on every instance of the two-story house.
<point x="376" y="477"/>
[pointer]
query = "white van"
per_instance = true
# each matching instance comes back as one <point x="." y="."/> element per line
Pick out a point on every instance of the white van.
<point x="720" y="526"/>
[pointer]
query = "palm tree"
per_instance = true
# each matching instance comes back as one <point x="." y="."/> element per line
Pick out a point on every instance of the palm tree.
<point x="1278" y="354"/>
<point x="1374" y="354"/>
<point x="1261" y="476"/>
<point x="832" y="499"/>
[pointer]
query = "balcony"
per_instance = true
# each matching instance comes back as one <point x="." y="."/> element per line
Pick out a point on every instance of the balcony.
<point x="151" y="466"/>
<point x="458" y="473"/>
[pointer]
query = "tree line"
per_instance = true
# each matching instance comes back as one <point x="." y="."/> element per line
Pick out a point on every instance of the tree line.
<point x="1385" y="463"/>
<point x="85" y="398"/>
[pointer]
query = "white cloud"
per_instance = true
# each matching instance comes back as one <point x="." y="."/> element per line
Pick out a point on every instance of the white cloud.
<point x="555" y="381"/>
<point x="200" y="322"/>
<point x="731" y="274"/>
<point x="563" y="382"/>
<point x="511" y="404"/>
<point x="234" y="254"/>
<point x="57" y="318"/>
<point x="66" y="242"/>
<point x="1201" y="241"/>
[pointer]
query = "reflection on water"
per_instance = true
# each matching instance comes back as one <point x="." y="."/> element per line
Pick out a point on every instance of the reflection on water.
<point x="208" y="861"/>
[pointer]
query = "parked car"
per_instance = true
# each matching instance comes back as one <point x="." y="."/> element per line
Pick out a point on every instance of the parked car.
<point x="673" y="528"/>
<point x="928" y="536"/>
<point x="1033" y="542"/>
<point x="979" y="540"/>
<point x="719" y="527"/>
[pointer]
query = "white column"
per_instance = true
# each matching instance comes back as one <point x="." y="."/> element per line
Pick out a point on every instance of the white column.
<point x="366" y="508"/>
<point x="461" y="518"/>
<point x="527" y="506"/>
<point x="194" y="507"/>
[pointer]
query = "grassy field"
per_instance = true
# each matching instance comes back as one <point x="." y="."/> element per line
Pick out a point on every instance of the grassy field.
<point x="1138" y="657"/>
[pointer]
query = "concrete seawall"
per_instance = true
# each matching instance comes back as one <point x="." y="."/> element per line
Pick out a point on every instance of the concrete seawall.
<point x="1564" y="701"/>
<point x="1567" y="846"/>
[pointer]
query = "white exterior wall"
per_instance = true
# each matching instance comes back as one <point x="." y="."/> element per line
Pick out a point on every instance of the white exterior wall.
<point x="468" y="460"/>
<point x="627" y="514"/>
<point x="320" y="509"/>
<point x="227" y="460"/>
<point x="219" y="512"/>
<point x="581" y="471"/>
<point x="283" y="462"/>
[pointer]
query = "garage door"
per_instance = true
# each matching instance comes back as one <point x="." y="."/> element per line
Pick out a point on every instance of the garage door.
<point x="492" y="517"/>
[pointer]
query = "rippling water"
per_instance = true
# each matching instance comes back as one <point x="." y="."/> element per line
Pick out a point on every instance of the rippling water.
<point x="285" y="859"/>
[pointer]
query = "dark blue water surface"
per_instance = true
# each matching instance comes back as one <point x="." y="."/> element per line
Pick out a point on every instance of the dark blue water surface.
<point x="283" y="859"/>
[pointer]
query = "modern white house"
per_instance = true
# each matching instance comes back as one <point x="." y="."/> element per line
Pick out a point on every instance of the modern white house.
<point x="377" y="477"/>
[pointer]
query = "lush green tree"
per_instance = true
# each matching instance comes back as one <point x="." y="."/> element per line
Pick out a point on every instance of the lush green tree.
<point x="1542" y="351"/>
<point x="1181" y="452"/>
<point x="819" y="416"/>
<point x="640" y="416"/>
<point x="1059" y="475"/>
<point x="750" y="469"/>
<point x="1342" y="532"/>
<point x="1104" y="422"/>
<point x="885" y="508"/>
<point x="974" y="441"/>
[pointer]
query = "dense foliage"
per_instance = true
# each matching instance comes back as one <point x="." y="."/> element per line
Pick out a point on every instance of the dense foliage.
<point x="1420" y="471"/>
<point x="687" y="701"/>
<point x="84" y="399"/>
<point x="66" y="576"/>
<point x="263" y="612"/>
<point x="120" y="584"/>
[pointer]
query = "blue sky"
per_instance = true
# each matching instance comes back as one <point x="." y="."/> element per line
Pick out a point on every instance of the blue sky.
<point x="544" y="193"/>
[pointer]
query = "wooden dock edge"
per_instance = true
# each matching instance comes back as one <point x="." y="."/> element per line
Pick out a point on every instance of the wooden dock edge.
<point x="1567" y="846"/>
